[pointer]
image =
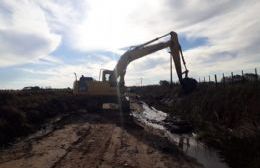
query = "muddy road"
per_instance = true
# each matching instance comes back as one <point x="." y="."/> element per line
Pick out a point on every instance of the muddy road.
<point x="85" y="139"/>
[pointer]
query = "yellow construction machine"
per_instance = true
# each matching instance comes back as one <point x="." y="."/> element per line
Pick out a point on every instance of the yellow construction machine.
<point x="111" y="87"/>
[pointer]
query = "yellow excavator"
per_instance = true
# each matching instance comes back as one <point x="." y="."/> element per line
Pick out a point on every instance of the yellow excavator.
<point x="112" y="88"/>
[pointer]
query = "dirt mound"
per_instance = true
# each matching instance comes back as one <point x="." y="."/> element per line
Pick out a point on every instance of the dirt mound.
<point x="22" y="113"/>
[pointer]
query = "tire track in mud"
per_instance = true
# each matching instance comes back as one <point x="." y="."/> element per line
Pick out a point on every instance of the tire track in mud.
<point x="24" y="146"/>
<point x="112" y="154"/>
<point x="84" y="134"/>
<point x="102" y="154"/>
<point x="90" y="151"/>
<point x="47" y="151"/>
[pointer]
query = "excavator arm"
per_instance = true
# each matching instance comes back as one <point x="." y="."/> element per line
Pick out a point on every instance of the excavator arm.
<point x="146" y="49"/>
<point x="115" y="77"/>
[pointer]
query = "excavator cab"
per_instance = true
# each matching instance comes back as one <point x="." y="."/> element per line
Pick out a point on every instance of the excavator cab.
<point x="107" y="76"/>
<point x="83" y="83"/>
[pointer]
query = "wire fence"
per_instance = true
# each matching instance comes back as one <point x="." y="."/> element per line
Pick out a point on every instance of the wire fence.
<point x="231" y="78"/>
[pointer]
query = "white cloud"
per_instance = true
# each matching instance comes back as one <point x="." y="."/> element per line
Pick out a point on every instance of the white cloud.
<point x="62" y="75"/>
<point x="24" y="33"/>
<point x="107" y="25"/>
<point x="235" y="32"/>
<point x="230" y="27"/>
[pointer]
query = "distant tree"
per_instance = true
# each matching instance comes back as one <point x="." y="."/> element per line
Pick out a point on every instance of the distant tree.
<point x="164" y="83"/>
<point x="236" y="78"/>
<point x="31" y="88"/>
<point x="239" y="78"/>
<point x="250" y="76"/>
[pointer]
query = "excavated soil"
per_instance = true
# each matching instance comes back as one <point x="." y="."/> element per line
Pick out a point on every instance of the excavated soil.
<point x="100" y="139"/>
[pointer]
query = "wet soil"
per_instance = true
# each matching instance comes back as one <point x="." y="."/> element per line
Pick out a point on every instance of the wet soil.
<point x="98" y="139"/>
<point x="154" y="121"/>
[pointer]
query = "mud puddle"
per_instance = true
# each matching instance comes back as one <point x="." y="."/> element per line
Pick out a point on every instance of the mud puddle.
<point x="153" y="120"/>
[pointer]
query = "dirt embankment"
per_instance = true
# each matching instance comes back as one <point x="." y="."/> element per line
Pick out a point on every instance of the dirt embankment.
<point x="99" y="139"/>
<point x="225" y="117"/>
<point x="24" y="112"/>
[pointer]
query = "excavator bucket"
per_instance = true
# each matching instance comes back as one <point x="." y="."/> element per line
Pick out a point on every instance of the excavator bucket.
<point x="189" y="85"/>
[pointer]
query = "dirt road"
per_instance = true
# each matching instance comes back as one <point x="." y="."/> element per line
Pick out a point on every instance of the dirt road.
<point x="94" y="140"/>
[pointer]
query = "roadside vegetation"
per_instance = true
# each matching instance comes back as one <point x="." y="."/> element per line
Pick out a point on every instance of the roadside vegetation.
<point x="24" y="112"/>
<point x="226" y="117"/>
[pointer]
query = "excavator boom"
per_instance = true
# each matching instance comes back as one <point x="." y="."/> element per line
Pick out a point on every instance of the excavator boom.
<point x="146" y="49"/>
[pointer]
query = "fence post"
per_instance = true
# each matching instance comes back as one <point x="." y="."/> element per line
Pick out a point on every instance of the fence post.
<point x="216" y="80"/>
<point x="243" y="78"/>
<point x="209" y="78"/>
<point x="224" y="79"/>
<point x="256" y="75"/>
<point x="232" y="77"/>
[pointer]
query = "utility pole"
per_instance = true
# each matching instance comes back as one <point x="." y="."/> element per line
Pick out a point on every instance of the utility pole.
<point x="75" y="76"/>
<point x="232" y="77"/>
<point x="171" y="69"/>
<point x="216" y="80"/>
<point x="141" y="81"/>
<point x="256" y="75"/>
<point x="224" y="79"/>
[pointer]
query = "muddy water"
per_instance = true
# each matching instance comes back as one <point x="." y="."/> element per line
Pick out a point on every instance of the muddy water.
<point x="153" y="118"/>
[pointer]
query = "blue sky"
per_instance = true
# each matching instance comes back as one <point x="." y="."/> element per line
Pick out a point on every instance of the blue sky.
<point x="44" y="42"/>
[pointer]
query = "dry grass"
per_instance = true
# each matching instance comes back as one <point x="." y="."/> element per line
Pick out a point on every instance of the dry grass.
<point x="22" y="112"/>
<point x="225" y="117"/>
